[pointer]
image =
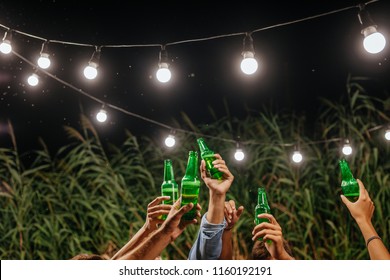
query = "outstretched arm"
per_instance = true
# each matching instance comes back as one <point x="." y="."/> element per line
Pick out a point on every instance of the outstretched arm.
<point x="217" y="189"/>
<point x="154" y="244"/>
<point x="154" y="211"/>
<point x="362" y="211"/>
<point x="232" y="215"/>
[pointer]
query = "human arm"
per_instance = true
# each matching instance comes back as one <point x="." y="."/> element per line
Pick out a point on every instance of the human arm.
<point x="154" y="211"/>
<point x="217" y="189"/>
<point x="152" y="246"/>
<point x="362" y="211"/>
<point x="271" y="231"/>
<point x="232" y="215"/>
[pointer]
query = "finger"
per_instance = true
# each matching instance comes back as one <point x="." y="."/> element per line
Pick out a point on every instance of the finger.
<point x="239" y="211"/>
<point x="217" y="156"/>
<point x="184" y="209"/>
<point x="232" y="204"/>
<point x="362" y="190"/>
<point x="345" y="200"/>
<point x="158" y="213"/>
<point x="158" y="200"/>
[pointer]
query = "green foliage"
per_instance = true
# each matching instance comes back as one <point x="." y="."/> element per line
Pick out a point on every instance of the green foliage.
<point x="88" y="199"/>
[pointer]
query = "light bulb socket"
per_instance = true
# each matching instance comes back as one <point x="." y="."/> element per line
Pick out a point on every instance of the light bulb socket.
<point x="94" y="61"/>
<point x="365" y="18"/>
<point x="163" y="58"/>
<point x="8" y="36"/>
<point x="44" y="50"/>
<point x="248" y="46"/>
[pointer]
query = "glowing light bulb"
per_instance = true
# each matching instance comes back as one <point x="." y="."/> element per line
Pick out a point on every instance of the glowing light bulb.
<point x="163" y="74"/>
<point x="239" y="155"/>
<point x="374" y="42"/>
<point x="44" y="61"/>
<point x="347" y="149"/>
<point x="90" y="72"/>
<point x="387" y="135"/>
<point x="5" y="47"/>
<point x="101" y="116"/>
<point x="297" y="157"/>
<point x="249" y="63"/>
<point x="33" y="80"/>
<point x="170" y="141"/>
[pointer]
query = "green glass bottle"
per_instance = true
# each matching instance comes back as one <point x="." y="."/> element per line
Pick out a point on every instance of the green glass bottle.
<point x="208" y="156"/>
<point x="261" y="207"/>
<point x="190" y="185"/>
<point x="349" y="184"/>
<point x="169" y="186"/>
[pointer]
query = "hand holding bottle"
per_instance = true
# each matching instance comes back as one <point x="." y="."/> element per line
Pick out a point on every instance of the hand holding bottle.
<point x="271" y="231"/>
<point x="215" y="185"/>
<point x="363" y="209"/>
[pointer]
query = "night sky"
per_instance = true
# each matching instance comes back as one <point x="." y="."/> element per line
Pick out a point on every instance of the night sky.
<point x="298" y="63"/>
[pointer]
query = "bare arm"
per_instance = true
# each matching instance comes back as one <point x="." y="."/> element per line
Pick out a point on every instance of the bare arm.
<point x="232" y="215"/>
<point x="362" y="211"/>
<point x="154" y="211"/>
<point x="153" y="245"/>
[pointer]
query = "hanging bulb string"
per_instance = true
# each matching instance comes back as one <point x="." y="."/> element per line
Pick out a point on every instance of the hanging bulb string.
<point x="190" y="40"/>
<point x="197" y="134"/>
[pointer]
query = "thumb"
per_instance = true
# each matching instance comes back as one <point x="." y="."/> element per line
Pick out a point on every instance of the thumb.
<point x="239" y="211"/>
<point x="345" y="200"/>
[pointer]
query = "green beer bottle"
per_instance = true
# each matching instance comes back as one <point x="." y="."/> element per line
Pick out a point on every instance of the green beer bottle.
<point x="208" y="156"/>
<point x="261" y="207"/>
<point x="349" y="184"/>
<point x="169" y="186"/>
<point x="190" y="185"/>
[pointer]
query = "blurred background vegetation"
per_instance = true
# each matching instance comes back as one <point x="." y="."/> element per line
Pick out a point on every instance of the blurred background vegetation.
<point x="90" y="198"/>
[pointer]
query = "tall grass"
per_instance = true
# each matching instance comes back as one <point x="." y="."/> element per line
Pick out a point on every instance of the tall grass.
<point x="87" y="198"/>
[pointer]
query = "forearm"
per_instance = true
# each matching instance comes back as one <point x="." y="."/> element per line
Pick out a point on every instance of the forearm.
<point x="133" y="242"/>
<point x="227" y="246"/>
<point x="215" y="212"/>
<point x="150" y="248"/>
<point x="376" y="249"/>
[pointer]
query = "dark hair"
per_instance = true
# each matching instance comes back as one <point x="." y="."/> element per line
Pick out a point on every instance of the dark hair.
<point x="259" y="252"/>
<point x="87" y="257"/>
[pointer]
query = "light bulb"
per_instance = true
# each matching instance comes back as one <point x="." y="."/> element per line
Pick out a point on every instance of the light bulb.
<point x="239" y="155"/>
<point x="387" y="135"/>
<point x="374" y="42"/>
<point x="249" y="63"/>
<point x="101" y="116"/>
<point x="170" y="141"/>
<point x="297" y="157"/>
<point x="163" y="74"/>
<point x="33" y="80"/>
<point x="44" y="61"/>
<point x="5" y="47"/>
<point x="90" y="72"/>
<point x="347" y="149"/>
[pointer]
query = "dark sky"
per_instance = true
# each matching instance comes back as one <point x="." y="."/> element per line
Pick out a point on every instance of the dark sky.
<point x="298" y="62"/>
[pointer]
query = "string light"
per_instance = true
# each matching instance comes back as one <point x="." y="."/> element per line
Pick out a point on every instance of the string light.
<point x="90" y="71"/>
<point x="239" y="154"/>
<point x="347" y="149"/>
<point x="297" y="156"/>
<point x="101" y="116"/>
<point x="248" y="52"/>
<point x="5" y="46"/>
<point x="374" y="42"/>
<point x="163" y="73"/>
<point x="249" y="63"/>
<point x="44" y="58"/>
<point x="33" y="80"/>
<point x="387" y="134"/>
<point x="170" y="141"/>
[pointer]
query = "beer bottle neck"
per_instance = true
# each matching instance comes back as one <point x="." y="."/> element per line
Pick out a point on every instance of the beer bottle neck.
<point x="168" y="171"/>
